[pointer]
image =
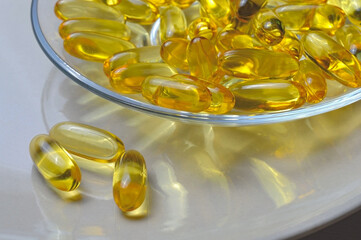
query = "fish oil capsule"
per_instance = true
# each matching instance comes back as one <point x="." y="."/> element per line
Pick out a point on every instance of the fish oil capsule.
<point x="111" y="2"/>
<point x="258" y="64"/>
<point x="87" y="142"/>
<point x="68" y="9"/>
<point x="351" y="7"/>
<point x="130" y="181"/>
<point x="178" y="94"/>
<point x="174" y="52"/>
<point x="323" y="17"/>
<point x="173" y="23"/>
<point x="139" y="36"/>
<point x="149" y="54"/>
<point x="182" y="3"/>
<point x="244" y="10"/>
<point x="138" y="11"/>
<point x="202" y="58"/>
<point x="333" y="58"/>
<point x="284" y="2"/>
<point x="202" y="27"/>
<point x="129" y="79"/>
<point x="222" y="99"/>
<point x="54" y="163"/>
<point x="101" y="26"/>
<point x="268" y="95"/>
<point x="350" y="37"/>
<point x="290" y="44"/>
<point x="159" y="3"/>
<point x="268" y="28"/>
<point x="94" y="47"/>
<point x="313" y="80"/>
<point x="219" y="11"/>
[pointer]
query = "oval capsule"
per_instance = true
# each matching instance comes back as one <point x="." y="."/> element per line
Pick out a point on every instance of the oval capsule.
<point x="173" y="23"/>
<point x="174" y="52"/>
<point x="54" y="163"/>
<point x="333" y="58"/>
<point x="202" y="27"/>
<point x="88" y="142"/>
<point x="182" y="3"/>
<point x="94" y="47"/>
<point x="350" y="37"/>
<point x="129" y="79"/>
<point x="101" y="26"/>
<point x="290" y="44"/>
<point x="68" y="9"/>
<point x="138" y="11"/>
<point x="219" y="11"/>
<point x="183" y="95"/>
<point x="148" y="54"/>
<point x="111" y="2"/>
<point x="351" y="7"/>
<point x="252" y="64"/>
<point x="130" y="181"/>
<point x="268" y="95"/>
<point x="159" y="3"/>
<point x="244" y="10"/>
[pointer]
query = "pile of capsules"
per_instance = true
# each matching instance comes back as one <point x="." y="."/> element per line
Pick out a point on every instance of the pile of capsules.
<point x="213" y="56"/>
<point x="54" y="156"/>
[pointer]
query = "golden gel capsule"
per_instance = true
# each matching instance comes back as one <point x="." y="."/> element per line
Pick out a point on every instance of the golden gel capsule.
<point x="245" y="9"/>
<point x="139" y="35"/>
<point x="202" y="58"/>
<point x="222" y="99"/>
<point x="159" y="3"/>
<point x="54" y="163"/>
<point x="351" y="7"/>
<point x="258" y="64"/>
<point x="174" y="52"/>
<point x="268" y="95"/>
<point x="173" y="23"/>
<point x="183" y="95"/>
<point x="284" y="2"/>
<point x="350" y="37"/>
<point x="88" y="142"/>
<point x="202" y="27"/>
<point x="219" y="11"/>
<point x="333" y="57"/>
<point x="111" y="2"/>
<point x="290" y="44"/>
<point x="130" y="181"/>
<point x="129" y="79"/>
<point x="182" y="3"/>
<point x="267" y="27"/>
<point x="149" y="54"/>
<point x="138" y="11"/>
<point x="313" y="80"/>
<point x="101" y="26"/>
<point x="323" y="17"/>
<point x="68" y="9"/>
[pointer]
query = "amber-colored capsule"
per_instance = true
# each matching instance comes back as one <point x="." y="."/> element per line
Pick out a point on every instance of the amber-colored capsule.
<point x="183" y="95"/>
<point x="139" y="35"/>
<point x="284" y="2"/>
<point x="182" y="3"/>
<point x="202" y="58"/>
<point x="173" y="23"/>
<point x="219" y="11"/>
<point x="101" y="26"/>
<point x="350" y="37"/>
<point x="202" y="27"/>
<point x="290" y="44"/>
<point x="258" y="64"/>
<point x="313" y="80"/>
<point x="148" y="54"/>
<point x="268" y="95"/>
<point x="159" y="3"/>
<point x="244" y="10"/>
<point x="87" y="142"/>
<point x="129" y="79"/>
<point x="267" y="27"/>
<point x="68" y="9"/>
<point x="130" y="181"/>
<point x="174" y="52"/>
<point x="222" y="99"/>
<point x="111" y="2"/>
<point x="54" y="163"/>
<point x="322" y="17"/>
<point x="351" y="7"/>
<point x="138" y="11"/>
<point x="333" y="57"/>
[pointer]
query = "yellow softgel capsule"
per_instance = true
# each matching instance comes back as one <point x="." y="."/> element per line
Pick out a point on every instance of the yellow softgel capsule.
<point x="149" y="54"/>
<point x="284" y="2"/>
<point x="202" y="58"/>
<point x="138" y="11"/>
<point x="173" y="23"/>
<point x="111" y="2"/>
<point x="351" y="7"/>
<point x="93" y="46"/>
<point x="178" y="94"/>
<point x="258" y="64"/>
<point x="174" y="52"/>
<point x="101" y="26"/>
<point x="350" y="37"/>
<point x="159" y="3"/>
<point x="302" y="18"/>
<point x="244" y="10"/>
<point x="68" y="9"/>
<point x="313" y="80"/>
<point x="182" y="3"/>
<point x="202" y="27"/>
<point x="268" y="95"/>
<point x="290" y="44"/>
<point x="130" y="181"/>
<point x="139" y="35"/>
<point x="333" y="58"/>
<point x="87" y="142"/>
<point x="129" y="79"/>
<point x="219" y="11"/>
<point x="54" y="163"/>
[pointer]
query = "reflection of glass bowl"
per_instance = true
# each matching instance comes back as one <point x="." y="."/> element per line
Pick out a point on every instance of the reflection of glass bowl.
<point x="90" y="76"/>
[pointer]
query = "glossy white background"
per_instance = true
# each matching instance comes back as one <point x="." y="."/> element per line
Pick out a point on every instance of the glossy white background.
<point x="264" y="182"/>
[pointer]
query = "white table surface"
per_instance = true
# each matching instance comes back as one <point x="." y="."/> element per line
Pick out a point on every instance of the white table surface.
<point x="25" y="70"/>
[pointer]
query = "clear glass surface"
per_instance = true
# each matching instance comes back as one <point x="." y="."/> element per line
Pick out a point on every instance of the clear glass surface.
<point x="90" y="75"/>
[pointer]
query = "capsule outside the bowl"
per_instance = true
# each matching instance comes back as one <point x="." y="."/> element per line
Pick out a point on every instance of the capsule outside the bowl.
<point x="54" y="163"/>
<point x="88" y="142"/>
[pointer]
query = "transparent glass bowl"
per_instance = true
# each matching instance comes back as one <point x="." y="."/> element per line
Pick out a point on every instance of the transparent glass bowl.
<point x="90" y="75"/>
